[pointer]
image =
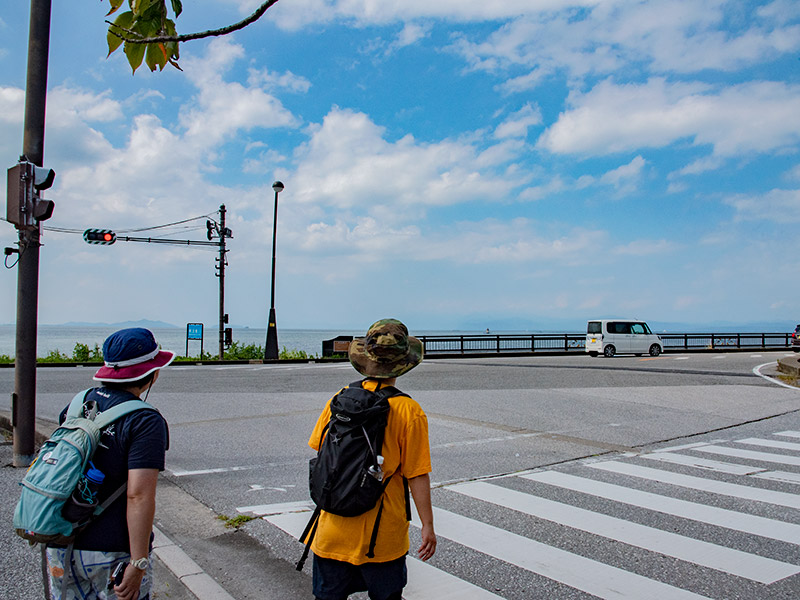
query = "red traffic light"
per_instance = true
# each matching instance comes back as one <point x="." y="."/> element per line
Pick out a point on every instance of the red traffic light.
<point x="103" y="237"/>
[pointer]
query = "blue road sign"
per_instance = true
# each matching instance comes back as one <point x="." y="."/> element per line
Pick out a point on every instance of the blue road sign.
<point x="194" y="331"/>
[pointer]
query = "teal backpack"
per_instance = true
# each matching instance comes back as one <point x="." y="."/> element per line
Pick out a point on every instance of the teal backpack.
<point x="60" y="468"/>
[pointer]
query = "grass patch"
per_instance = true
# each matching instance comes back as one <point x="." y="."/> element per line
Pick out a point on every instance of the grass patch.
<point x="235" y="522"/>
<point x="789" y="379"/>
<point x="82" y="353"/>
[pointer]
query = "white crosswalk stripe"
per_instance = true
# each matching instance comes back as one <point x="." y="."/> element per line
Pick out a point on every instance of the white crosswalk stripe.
<point x="698" y="483"/>
<point x="752" y="455"/>
<point x="592" y="501"/>
<point x="732" y="561"/>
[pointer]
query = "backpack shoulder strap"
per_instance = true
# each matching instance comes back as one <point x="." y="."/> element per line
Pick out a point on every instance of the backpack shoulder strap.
<point x="105" y="418"/>
<point x="386" y="392"/>
<point x="76" y="404"/>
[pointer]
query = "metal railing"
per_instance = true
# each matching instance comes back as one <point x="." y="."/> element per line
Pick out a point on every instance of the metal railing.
<point x="476" y="344"/>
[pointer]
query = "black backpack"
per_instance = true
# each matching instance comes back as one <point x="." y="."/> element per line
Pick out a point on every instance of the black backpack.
<point x="346" y="477"/>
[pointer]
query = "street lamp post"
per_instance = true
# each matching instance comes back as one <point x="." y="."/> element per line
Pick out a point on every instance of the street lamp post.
<point x="271" y="348"/>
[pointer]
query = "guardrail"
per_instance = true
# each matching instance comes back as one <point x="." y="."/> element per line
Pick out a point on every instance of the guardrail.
<point x="575" y="342"/>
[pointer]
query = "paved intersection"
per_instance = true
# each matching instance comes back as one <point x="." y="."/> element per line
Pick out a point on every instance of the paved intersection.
<point x="666" y="524"/>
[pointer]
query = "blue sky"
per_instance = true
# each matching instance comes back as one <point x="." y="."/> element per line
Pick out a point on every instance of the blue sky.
<point x="529" y="163"/>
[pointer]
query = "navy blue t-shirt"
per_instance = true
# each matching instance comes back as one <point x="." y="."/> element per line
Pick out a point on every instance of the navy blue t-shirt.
<point x="138" y="440"/>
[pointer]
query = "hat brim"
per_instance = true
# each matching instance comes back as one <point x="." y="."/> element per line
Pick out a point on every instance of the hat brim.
<point x="134" y="372"/>
<point x="385" y="370"/>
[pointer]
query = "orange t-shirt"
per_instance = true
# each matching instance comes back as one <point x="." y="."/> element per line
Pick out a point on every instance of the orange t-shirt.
<point x="406" y="453"/>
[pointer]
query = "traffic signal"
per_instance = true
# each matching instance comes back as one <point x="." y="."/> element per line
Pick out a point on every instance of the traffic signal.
<point x="25" y="206"/>
<point x="228" y="336"/>
<point x="105" y="237"/>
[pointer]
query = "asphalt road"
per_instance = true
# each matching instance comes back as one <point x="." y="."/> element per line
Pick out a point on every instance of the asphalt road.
<point x="238" y="439"/>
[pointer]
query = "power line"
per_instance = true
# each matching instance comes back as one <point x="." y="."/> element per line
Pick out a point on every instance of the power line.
<point x="80" y="231"/>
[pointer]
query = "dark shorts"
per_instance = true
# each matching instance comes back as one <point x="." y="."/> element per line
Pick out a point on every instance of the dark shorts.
<point x="336" y="580"/>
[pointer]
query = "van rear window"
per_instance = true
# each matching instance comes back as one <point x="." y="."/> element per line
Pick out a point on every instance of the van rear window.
<point x="593" y="327"/>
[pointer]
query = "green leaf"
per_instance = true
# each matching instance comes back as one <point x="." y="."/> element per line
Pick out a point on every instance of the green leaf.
<point x="135" y="54"/>
<point x="177" y="7"/>
<point x="115" y="4"/>
<point x="124" y="20"/>
<point x="140" y="6"/>
<point x="156" y="56"/>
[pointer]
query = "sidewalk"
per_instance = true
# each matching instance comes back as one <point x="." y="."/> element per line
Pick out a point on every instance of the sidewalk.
<point x="196" y="557"/>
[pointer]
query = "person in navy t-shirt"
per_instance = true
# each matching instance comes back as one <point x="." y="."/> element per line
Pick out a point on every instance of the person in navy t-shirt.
<point x="132" y="452"/>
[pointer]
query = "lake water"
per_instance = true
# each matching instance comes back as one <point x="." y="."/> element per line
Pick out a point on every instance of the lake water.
<point x="63" y="338"/>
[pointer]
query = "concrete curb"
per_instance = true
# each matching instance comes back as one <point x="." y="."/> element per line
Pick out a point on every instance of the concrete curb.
<point x="790" y="366"/>
<point x="188" y="572"/>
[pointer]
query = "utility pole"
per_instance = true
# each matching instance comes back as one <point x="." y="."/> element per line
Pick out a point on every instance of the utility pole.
<point x="23" y="400"/>
<point x="223" y="318"/>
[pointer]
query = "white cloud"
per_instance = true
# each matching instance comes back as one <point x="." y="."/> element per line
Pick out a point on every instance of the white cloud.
<point x="517" y="124"/>
<point x="751" y="117"/>
<point x="700" y="166"/>
<point x="69" y="104"/>
<point x="348" y="162"/>
<point x="645" y="247"/>
<point x="624" y="178"/>
<point x="287" y="80"/>
<point x="295" y="14"/>
<point x="781" y="206"/>
<point x="411" y="34"/>
<point x="670" y="36"/>
<point x="794" y="173"/>
<point x="223" y="108"/>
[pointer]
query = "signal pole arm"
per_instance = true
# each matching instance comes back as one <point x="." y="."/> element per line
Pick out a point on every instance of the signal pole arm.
<point x="421" y="492"/>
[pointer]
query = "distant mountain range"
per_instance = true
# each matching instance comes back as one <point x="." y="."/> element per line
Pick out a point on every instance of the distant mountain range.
<point x="499" y="324"/>
<point x="146" y="323"/>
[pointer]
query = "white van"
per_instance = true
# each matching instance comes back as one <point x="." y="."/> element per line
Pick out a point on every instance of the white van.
<point x="621" y="336"/>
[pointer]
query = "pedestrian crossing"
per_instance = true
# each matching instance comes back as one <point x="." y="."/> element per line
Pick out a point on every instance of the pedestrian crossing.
<point x="715" y="519"/>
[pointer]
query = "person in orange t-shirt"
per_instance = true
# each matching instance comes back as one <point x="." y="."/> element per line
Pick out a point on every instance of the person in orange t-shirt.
<point x="340" y="545"/>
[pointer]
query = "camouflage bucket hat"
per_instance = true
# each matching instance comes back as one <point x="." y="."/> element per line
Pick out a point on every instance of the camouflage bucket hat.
<point x="386" y="351"/>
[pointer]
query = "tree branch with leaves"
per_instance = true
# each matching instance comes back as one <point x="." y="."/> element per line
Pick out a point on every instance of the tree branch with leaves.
<point x="148" y="34"/>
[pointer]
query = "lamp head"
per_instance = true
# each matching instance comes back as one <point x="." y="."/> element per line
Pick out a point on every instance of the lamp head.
<point x="278" y="187"/>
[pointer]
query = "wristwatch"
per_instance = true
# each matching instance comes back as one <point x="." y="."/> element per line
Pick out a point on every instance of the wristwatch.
<point x="141" y="563"/>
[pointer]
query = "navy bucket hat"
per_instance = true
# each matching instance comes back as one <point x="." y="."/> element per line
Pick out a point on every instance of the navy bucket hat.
<point x="131" y="354"/>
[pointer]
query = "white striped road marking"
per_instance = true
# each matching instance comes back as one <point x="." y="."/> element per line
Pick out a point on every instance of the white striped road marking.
<point x="752" y="455"/>
<point x="757" y="371"/>
<point x="587" y="575"/>
<point x="770" y="444"/>
<point x="698" y="483"/>
<point x="263" y="510"/>
<point x="735" y="562"/>
<point x="424" y="581"/>
<point x="184" y="473"/>
<point x="688" y="446"/>
<point x="782" y="476"/>
<point x="730" y="519"/>
<point x="681" y="358"/>
<point x="504" y="438"/>
<point x="702" y="463"/>
<point x="303" y="366"/>
<point x="794" y="434"/>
